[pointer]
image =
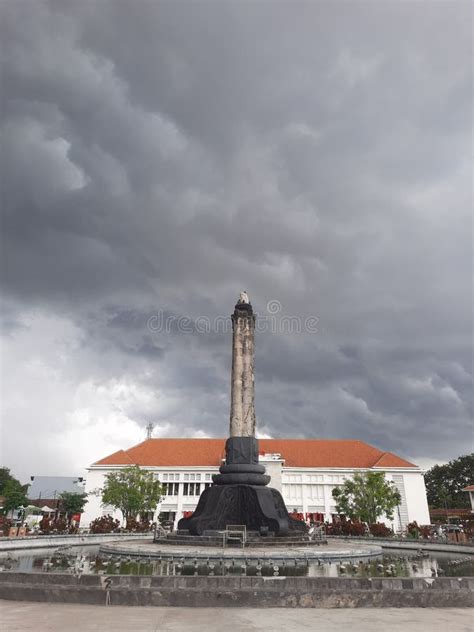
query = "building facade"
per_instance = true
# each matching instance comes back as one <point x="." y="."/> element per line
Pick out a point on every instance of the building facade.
<point x="305" y="471"/>
<point x="470" y="490"/>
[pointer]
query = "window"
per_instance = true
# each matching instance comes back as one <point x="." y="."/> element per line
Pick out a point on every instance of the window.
<point x="208" y="477"/>
<point x="206" y="485"/>
<point x="170" y="489"/>
<point x="292" y="491"/>
<point x="192" y="476"/>
<point x="315" y="492"/>
<point x="315" y="478"/>
<point x="192" y="489"/>
<point x="164" y="477"/>
<point x="293" y="478"/>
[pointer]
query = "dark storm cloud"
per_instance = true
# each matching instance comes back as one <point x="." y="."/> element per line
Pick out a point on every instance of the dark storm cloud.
<point x="159" y="157"/>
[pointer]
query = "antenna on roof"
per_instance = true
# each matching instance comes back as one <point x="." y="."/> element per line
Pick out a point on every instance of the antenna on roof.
<point x="149" y="430"/>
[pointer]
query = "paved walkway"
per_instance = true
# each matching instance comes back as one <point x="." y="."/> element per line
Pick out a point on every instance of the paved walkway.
<point x="39" y="617"/>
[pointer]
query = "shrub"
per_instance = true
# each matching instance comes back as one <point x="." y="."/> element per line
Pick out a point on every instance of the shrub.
<point x="60" y="525"/>
<point x="356" y="528"/>
<point x="48" y="526"/>
<point x="469" y="529"/>
<point x="44" y="525"/>
<point x="380" y="530"/>
<point x="346" y="527"/>
<point x="425" y="531"/>
<point x="141" y="526"/>
<point x="413" y="530"/>
<point x="104" y="524"/>
<point x="334" y="529"/>
<point x="5" y="524"/>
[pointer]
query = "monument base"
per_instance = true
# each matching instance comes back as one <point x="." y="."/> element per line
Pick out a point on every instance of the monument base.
<point x="239" y="496"/>
<point x="254" y="506"/>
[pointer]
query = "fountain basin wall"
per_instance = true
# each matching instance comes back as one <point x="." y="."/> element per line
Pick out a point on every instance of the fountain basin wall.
<point x="47" y="541"/>
<point x="249" y="592"/>
<point x="412" y="545"/>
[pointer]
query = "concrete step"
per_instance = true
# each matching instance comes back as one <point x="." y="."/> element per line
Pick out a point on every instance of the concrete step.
<point x="262" y="542"/>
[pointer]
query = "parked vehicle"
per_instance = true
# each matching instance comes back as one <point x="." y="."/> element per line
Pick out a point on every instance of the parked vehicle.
<point x="452" y="528"/>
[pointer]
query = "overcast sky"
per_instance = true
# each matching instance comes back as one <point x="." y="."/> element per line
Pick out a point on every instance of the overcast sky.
<point x="157" y="158"/>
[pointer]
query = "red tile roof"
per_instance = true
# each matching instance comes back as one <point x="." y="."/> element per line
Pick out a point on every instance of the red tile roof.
<point x="324" y="453"/>
<point x="388" y="459"/>
<point x="469" y="488"/>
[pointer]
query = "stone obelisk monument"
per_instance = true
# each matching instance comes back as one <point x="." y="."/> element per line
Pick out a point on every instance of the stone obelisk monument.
<point x="242" y="395"/>
<point x="239" y="494"/>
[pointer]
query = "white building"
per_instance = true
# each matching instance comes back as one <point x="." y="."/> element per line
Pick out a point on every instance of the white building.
<point x="470" y="490"/>
<point x="305" y="471"/>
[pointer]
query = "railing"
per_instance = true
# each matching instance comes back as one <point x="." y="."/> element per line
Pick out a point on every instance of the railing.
<point x="316" y="533"/>
<point x="404" y="539"/>
<point x="235" y="532"/>
<point x="412" y="543"/>
<point x="159" y="532"/>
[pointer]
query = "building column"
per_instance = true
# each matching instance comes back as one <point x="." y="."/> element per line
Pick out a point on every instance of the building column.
<point x="179" y="503"/>
<point x="327" y="501"/>
<point x="304" y="498"/>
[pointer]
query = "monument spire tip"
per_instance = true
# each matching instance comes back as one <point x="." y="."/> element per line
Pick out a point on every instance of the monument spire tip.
<point x="243" y="298"/>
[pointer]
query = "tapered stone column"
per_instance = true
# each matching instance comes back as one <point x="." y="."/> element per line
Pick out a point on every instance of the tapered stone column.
<point x="239" y="494"/>
<point x="241" y="465"/>
<point x="242" y="398"/>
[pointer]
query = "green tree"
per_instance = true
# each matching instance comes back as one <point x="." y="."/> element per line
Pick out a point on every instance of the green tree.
<point x="444" y="483"/>
<point x="132" y="490"/>
<point x="72" y="503"/>
<point x="5" y="476"/>
<point x="15" y="495"/>
<point x="367" y="497"/>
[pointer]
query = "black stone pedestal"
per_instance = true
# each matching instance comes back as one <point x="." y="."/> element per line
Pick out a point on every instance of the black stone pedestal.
<point x="239" y="496"/>
<point x="250" y="505"/>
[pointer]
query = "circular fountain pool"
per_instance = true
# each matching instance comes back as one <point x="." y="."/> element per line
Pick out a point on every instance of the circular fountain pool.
<point x="90" y="560"/>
